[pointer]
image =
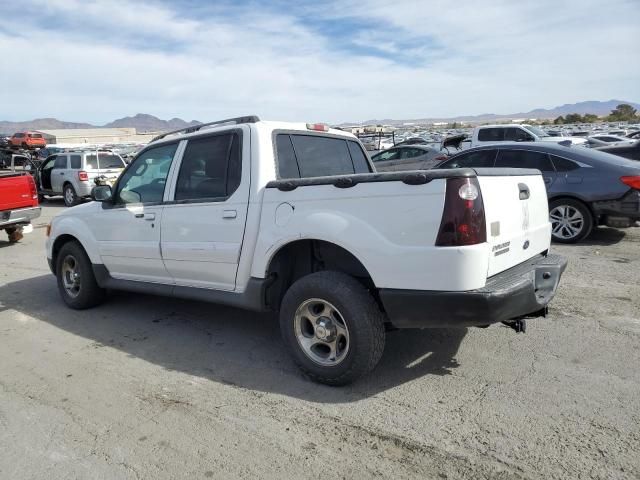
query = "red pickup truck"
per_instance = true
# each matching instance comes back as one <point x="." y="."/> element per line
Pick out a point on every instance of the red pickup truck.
<point x="18" y="202"/>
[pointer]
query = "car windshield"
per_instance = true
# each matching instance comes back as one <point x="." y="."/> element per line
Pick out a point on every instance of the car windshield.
<point x="536" y="131"/>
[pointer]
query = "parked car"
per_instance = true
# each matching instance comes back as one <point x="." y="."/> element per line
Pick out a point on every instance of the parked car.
<point x="413" y="141"/>
<point x="635" y="135"/>
<point x="407" y="157"/>
<point x="18" y="200"/>
<point x="291" y="218"/>
<point x="609" y="140"/>
<point x="72" y="174"/>
<point x="630" y="151"/>
<point x="586" y="188"/>
<point x="27" y="140"/>
<point x="45" y="152"/>
<point x="492" y="134"/>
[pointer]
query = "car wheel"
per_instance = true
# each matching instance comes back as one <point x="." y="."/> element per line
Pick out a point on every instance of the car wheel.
<point x="333" y="327"/>
<point x="76" y="281"/>
<point x="70" y="196"/>
<point x="25" y="146"/>
<point x="571" y="220"/>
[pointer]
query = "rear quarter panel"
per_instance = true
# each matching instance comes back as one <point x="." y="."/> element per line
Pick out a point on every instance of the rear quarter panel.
<point x="390" y="227"/>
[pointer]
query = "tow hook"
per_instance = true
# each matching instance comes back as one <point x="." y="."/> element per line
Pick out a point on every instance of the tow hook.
<point x="519" y="325"/>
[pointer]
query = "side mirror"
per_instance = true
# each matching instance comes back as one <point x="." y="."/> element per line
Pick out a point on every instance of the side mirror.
<point x="102" y="193"/>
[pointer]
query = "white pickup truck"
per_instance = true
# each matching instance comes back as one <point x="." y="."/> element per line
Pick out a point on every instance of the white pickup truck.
<point x="292" y="218"/>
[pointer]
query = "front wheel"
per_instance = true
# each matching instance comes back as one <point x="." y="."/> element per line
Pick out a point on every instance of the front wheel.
<point x="76" y="281"/>
<point x="70" y="196"/>
<point x="332" y="327"/>
<point x="571" y="220"/>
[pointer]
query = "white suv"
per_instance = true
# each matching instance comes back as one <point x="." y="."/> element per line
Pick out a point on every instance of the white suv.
<point x="72" y="174"/>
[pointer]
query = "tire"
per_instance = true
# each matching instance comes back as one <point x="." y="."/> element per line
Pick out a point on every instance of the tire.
<point x="70" y="196"/>
<point x="571" y="220"/>
<point x="79" y="292"/>
<point x="327" y="308"/>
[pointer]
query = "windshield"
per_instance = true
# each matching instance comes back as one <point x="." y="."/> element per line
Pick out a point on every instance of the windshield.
<point x="536" y="131"/>
<point x="104" y="161"/>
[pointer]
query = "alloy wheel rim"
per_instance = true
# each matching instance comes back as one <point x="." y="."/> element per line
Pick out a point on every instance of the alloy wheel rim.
<point x="566" y="222"/>
<point x="321" y="332"/>
<point x="71" y="279"/>
<point x="68" y="194"/>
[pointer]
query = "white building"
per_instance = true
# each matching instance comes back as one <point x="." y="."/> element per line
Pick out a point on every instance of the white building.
<point x="95" y="136"/>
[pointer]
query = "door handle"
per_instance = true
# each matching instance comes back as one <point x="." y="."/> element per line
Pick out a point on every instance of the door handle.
<point x="524" y="191"/>
<point x="229" y="214"/>
<point x="146" y="216"/>
<point x="61" y="173"/>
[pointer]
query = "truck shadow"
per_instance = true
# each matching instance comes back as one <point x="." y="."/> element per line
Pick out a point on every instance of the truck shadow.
<point x="603" y="236"/>
<point x="224" y="344"/>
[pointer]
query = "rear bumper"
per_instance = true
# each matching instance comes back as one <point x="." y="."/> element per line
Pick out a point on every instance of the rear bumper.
<point x="626" y="207"/>
<point x="18" y="217"/>
<point x="524" y="290"/>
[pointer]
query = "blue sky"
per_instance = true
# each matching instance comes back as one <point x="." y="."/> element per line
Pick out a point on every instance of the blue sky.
<point x="96" y="60"/>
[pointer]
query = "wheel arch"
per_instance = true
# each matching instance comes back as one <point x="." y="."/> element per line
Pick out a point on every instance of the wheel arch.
<point x="298" y="258"/>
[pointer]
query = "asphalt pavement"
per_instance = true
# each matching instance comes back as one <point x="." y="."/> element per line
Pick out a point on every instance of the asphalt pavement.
<point x="151" y="387"/>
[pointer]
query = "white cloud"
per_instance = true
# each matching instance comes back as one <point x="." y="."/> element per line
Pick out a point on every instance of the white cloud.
<point x="106" y="59"/>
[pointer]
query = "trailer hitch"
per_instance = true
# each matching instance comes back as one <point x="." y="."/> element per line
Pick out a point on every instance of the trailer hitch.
<point x="519" y="325"/>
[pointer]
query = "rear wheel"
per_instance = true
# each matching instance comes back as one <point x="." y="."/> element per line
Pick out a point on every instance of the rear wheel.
<point x="332" y="327"/>
<point x="70" y="196"/>
<point x="571" y="220"/>
<point x="76" y="281"/>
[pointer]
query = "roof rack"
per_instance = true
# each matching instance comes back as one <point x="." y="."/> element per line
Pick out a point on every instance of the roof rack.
<point x="195" y="128"/>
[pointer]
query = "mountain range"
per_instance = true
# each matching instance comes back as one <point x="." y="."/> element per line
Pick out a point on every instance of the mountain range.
<point x="591" y="106"/>
<point x="143" y="122"/>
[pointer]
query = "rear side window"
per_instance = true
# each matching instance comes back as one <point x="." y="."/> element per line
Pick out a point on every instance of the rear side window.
<point x="477" y="159"/>
<point x="210" y="168"/>
<point x="61" y="162"/>
<point x="35" y="135"/>
<point x="76" y="162"/>
<point x="491" y="134"/>
<point x="563" y="165"/>
<point x="318" y="156"/>
<point x="524" y="159"/>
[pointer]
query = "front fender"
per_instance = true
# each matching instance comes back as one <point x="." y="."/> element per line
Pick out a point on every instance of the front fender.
<point x="77" y="228"/>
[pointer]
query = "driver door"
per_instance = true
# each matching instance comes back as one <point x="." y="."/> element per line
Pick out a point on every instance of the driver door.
<point x="128" y="229"/>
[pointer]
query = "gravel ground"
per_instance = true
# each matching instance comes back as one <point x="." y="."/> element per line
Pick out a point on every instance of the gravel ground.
<point x="148" y="387"/>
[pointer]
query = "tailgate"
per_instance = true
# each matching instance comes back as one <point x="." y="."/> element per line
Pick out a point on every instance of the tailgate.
<point x="15" y="192"/>
<point x="517" y="215"/>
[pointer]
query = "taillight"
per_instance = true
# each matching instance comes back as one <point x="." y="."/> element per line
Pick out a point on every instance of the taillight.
<point x="318" y="127"/>
<point x="83" y="176"/>
<point x="633" y="182"/>
<point x="33" y="191"/>
<point x="463" y="221"/>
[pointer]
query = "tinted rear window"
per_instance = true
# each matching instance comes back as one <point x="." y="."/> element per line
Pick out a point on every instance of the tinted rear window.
<point x="19" y="135"/>
<point x="491" y="134"/>
<point x="76" y="162"/>
<point x="103" y="161"/>
<point x="304" y="156"/>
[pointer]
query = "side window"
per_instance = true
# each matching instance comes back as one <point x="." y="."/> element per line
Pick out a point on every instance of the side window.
<point x="319" y="156"/>
<point x="145" y="180"/>
<point x="515" y="134"/>
<point x="287" y="165"/>
<point x="61" y="162"/>
<point x="563" y="165"/>
<point x="491" y="134"/>
<point x="476" y="159"/>
<point x="524" y="159"/>
<point x="411" y="152"/>
<point x="76" y="162"/>
<point x="360" y="163"/>
<point x="385" y="156"/>
<point x="210" y="168"/>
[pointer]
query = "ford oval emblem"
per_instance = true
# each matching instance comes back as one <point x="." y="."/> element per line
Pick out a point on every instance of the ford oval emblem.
<point x="526" y="245"/>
